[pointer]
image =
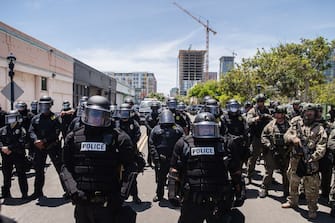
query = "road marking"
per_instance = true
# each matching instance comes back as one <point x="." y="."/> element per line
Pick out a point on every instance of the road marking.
<point x="140" y="144"/>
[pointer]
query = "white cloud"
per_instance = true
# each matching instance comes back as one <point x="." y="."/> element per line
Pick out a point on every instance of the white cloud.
<point x="159" y="58"/>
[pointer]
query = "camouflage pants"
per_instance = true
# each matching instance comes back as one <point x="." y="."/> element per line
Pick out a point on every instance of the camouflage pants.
<point x="270" y="165"/>
<point x="332" y="192"/>
<point x="310" y="183"/>
<point x="256" y="152"/>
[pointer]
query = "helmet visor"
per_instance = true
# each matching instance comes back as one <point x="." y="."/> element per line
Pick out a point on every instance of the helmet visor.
<point x="234" y="108"/>
<point x="124" y="114"/>
<point x="12" y="118"/>
<point x="44" y="107"/>
<point x="172" y="104"/>
<point x="205" y="130"/>
<point x="96" y="117"/>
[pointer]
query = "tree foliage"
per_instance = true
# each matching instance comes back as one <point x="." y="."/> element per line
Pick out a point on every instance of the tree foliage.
<point x="291" y="70"/>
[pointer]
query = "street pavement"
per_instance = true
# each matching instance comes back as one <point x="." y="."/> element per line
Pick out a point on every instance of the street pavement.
<point x="54" y="209"/>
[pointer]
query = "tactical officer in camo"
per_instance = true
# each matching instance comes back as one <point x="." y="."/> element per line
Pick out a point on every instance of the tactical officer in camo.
<point x="257" y="118"/>
<point x="93" y="154"/>
<point x="275" y="151"/>
<point x="331" y="147"/>
<point x="200" y="167"/>
<point x="308" y="145"/>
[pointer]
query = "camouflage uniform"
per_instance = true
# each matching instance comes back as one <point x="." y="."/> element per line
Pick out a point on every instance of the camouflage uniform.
<point x="276" y="155"/>
<point x="331" y="147"/>
<point x="316" y="138"/>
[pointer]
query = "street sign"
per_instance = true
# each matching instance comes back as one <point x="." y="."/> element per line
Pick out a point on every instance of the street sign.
<point x="17" y="91"/>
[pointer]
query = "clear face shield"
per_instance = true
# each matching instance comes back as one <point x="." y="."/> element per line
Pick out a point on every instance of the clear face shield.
<point x="172" y="105"/>
<point x="20" y="107"/>
<point x="234" y="108"/>
<point x="124" y="114"/>
<point x="12" y="119"/>
<point x="66" y="106"/>
<point x="205" y="130"/>
<point x="44" y="107"/>
<point x="96" y="117"/>
<point x="215" y="110"/>
<point x="34" y="106"/>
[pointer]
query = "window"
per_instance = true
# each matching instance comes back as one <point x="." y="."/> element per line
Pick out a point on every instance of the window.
<point x="44" y="86"/>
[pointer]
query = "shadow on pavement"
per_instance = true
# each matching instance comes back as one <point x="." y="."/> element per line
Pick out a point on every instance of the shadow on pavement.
<point x="15" y="201"/>
<point x="321" y="216"/>
<point x="139" y="207"/>
<point x="51" y="201"/>
<point x="164" y="203"/>
<point x="252" y="193"/>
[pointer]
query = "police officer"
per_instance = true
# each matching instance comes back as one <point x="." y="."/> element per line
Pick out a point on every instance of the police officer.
<point x="92" y="155"/>
<point x="151" y="120"/>
<point x="2" y="117"/>
<point x="275" y="151"/>
<point x="79" y="111"/>
<point x="199" y="167"/>
<point x="34" y="107"/>
<point x="44" y="132"/>
<point x="162" y="140"/>
<point x="134" y="114"/>
<point x="257" y="118"/>
<point x="67" y="114"/>
<point x="296" y="109"/>
<point x="212" y="106"/>
<point x="26" y="116"/>
<point x="132" y="128"/>
<point x="181" y="118"/>
<point x="235" y="131"/>
<point x="308" y="147"/>
<point x="331" y="147"/>
<point x="12" y="142"/>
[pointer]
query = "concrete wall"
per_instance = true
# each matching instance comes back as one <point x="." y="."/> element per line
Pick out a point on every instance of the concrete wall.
<point x="34" y="59"/>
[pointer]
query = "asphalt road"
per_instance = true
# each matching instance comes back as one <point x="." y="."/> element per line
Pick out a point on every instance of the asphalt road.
<point x="53" y="209"/>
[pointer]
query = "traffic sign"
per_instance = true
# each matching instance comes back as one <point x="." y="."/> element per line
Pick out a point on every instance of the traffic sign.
<point x="17" y="91"/>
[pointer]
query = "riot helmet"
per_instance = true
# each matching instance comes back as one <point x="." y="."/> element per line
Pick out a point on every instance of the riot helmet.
<point x="212" y="106"/>
<point x="45" y="103"/>
<point x="181" y="106"/>
<point x="166" y="118"/>
<point x="205" y="126"/>
<point x="129" y="100"/>
<point x="125" y="111"/>
<point x="172" y="103"/>
<point x="34" y="105"/>
<point x="155" y="107"/>
<point x="21" y="106"/>
<point x="206" y="98"/>
<point x="97" y="112"/>
<point x="13" y="117"/>
<point x="233" y="107"/>
<point x="66" y="106"/>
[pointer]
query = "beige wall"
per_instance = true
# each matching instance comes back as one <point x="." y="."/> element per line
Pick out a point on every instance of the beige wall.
<point x="34" y="60"/>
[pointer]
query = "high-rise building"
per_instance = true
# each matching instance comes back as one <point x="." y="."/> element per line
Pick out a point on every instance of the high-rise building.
<point x="191" y="68"/>
<point x="212" y="75"/>
<point x="330" y="72"/>
<point x="226" y="64"/>
<point x="143" y="82"/>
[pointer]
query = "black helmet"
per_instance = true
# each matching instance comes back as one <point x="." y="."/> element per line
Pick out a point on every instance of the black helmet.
<point x="97" y="112"/>
<point x="280" y="109"/>
<point x="45" y="103"/>
<point x="206" y="98"/>
<point x="12" y="117"/>
<point x="247" y="104"/>
<point x="212" y="106"/>
<point x="21" y="106"/>
<point x="205" y="126"/>
<point x="233" y="107"/>
<point x="114" y="111"/>
<point x="166" y="118"/>
<point x="296" y="102"/>
<point x="172" y="103"/>
<point x="125" y="111"/>
<point x="81" y="104"/>
<point x="34" y="105"/>
<point x="181" y="106"/>
<point x="66" y="105"/>
<point x="155" y="106"/>
<point x="260" y="98"/>
<point x="129" y="100"/>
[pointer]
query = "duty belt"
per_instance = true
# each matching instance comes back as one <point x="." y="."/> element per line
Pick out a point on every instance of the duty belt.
<point x="97" y="197"/>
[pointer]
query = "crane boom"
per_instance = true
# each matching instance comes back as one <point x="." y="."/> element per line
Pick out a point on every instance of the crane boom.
<point x="208" y="29"/>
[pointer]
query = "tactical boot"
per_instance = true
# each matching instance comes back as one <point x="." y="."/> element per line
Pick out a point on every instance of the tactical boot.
<point x="312" y="214"/>
<point x="5" y="193"/>
<point x="263" y="193"/>
<point x="137" y="200"/>
<point x="288" y="205"/>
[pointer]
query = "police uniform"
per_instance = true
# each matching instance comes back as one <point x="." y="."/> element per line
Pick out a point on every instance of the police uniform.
<point x="45" y="129"/>
<point x="151" y="120"/>
<point x="200" y="169"/>
<point x="93" y="155"/>
<point x="14" y="139"/>
<point x="313" y="138"/>
<point x="162" y="140"/>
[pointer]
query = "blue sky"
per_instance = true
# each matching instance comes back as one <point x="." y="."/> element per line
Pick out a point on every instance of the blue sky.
<point x="145" y="35"/>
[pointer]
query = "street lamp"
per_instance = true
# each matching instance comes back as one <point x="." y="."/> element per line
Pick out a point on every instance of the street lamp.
<point x="11" y="62"/>
<point x="258" y="86"/>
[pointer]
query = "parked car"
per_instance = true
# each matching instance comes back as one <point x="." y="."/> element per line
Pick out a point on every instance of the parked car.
<point x="145" y="109"/>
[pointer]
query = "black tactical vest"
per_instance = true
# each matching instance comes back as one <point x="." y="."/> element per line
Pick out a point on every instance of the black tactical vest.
<point x="234" y="126"/>
<point x="206" y="169"/>
<point x="96" y="161"/>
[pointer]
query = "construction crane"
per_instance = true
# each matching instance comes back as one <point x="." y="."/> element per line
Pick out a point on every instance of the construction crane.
<point x="208" y="29"/>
